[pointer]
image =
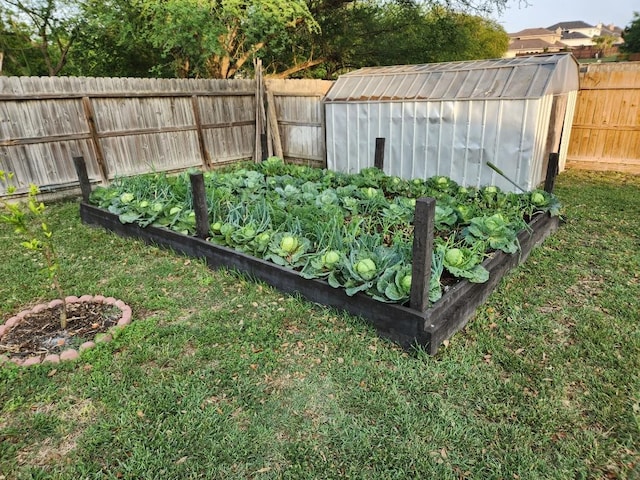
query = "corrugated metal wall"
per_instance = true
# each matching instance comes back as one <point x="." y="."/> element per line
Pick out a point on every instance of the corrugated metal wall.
<point x="452" y="138"/>
<point x="452" y="118"/>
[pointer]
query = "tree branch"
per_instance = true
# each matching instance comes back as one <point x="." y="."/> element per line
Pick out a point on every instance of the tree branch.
<point x="297" y="68"/>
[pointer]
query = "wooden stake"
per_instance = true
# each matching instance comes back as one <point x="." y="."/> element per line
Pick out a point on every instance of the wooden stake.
<point x="422" y="251"/>
<point x="200" y="204"/>
<point x="206" y="161"/>
<point x="264" y="147"/>
<point x="257" y="66"/>
<point x="83" y="177"/>
<point x="378" y="159"/>
<point x="272" y="120"/>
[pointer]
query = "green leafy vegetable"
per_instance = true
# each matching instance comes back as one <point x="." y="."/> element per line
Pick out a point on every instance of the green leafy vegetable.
<point x="355" y="231"/>
<point x="287" y="249"/>
<point x="495" y="231"/>
<point x="463" y="262"/>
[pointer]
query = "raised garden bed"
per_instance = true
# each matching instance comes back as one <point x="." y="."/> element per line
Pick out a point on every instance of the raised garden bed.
<point x="406" y="326"/>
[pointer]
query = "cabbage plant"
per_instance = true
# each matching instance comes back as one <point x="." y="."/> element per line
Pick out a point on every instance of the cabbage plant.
<point x="493" y="230"/>
<point x="354" y="230"/>
<point x="287" y="249"/>
<point x="363" y="266"/>
<point x="321" y="264"/>
<point x="394" y="285"/>
<point x="463" y="262"/>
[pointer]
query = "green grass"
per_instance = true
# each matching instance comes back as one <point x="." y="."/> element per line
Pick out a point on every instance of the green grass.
<point x="222" y="377"/>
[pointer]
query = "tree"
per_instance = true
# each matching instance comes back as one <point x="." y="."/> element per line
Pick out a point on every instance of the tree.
<point x="466" y="37"/>
<point x="218" y="38"/>
<point x="631" y="35"/>
<point x="109" y="43"/>
<point x="373" y="33"/>
<point x="603" y="42"/>
<point x="215" y="38"/>
<point x="52" y="26"/>
<point x="18" y="54"/>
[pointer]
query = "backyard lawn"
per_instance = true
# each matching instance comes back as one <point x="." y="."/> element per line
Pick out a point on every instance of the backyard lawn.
<point x="222" y="377"/>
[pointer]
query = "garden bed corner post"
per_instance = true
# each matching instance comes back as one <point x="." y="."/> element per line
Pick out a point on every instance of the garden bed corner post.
<point x="422" y="251"/>
<point x="200" y="204"/>
<point x="83" y="177"/>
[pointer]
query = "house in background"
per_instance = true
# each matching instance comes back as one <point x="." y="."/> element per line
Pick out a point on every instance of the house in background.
<point x="588" y="41"/>
<point x="581" y="34"/>
<point x="577" y="37"/>
<point x="534" y="40"/>
<point x="577" y="26"/>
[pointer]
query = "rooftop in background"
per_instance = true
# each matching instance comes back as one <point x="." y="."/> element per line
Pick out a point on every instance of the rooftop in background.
<point x="612" y="30"/>
<point x="577" y="36"/>
<point x="586" y="29"/>
<point x="570" y="25"/>
<point x="534" y="43"/>
<point x="568" y="35"/>
<point x="532" y="32"/>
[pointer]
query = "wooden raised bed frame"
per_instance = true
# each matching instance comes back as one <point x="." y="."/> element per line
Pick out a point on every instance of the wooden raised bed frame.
<point x="427" y="326"/>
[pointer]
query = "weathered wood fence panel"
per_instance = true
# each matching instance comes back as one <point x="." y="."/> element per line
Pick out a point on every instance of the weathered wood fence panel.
<point x="142" y="134"/>
<point x="300" y="116"/>
<point x="606" y="124"/>
<point x="228" y="126"/>
<point x="121" y="126"/>
<point x="34" y="133"/>
<point x="125" y="126"/>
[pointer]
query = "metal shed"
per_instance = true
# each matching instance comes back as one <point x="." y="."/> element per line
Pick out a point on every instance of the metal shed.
<point x="452" y="118"/>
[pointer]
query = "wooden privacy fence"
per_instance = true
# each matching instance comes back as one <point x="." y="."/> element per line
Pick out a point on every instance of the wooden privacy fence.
<point x="606" y="124"/>
<point x="126" y="126"/>
<point x="299" y="110"/>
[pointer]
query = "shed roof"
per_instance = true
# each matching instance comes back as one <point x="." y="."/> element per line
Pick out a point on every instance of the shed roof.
<point x="520" y="77"/>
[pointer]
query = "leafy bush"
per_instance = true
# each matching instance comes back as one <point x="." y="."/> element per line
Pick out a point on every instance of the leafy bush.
<point x="28" y="220"/>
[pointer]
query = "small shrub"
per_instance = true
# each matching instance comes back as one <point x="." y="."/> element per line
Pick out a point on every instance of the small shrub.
<point x="28" y="220"/>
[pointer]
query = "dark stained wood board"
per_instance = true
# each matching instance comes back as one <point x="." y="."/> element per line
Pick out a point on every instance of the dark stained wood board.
<point x="400" y="324"/>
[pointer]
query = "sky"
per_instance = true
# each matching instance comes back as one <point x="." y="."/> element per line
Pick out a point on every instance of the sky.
<point x="543" y="13"/>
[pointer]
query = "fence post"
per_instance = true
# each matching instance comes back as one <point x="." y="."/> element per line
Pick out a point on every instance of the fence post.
<point x="81" y="170"/>
<point x="378" y="159"/>
<point x="206" y="161"/>
<point x="422" y="251"/>
<point x="95" y="138"/>
<point x="552" y="172"/>
<point x="200" y="204"/>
